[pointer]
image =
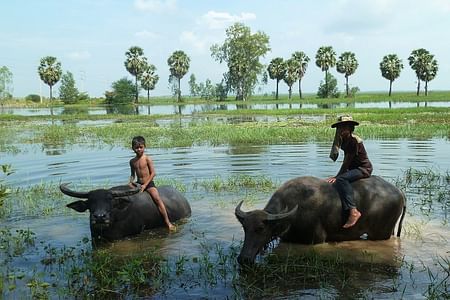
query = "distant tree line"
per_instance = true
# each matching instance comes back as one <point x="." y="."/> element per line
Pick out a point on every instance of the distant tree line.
<point x="242" y="52"/>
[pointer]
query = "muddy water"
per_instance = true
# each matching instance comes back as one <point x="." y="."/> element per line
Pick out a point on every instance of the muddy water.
<point x="424" y="239"/>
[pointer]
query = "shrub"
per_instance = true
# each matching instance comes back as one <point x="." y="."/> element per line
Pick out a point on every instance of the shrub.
<point x="33" y="98"/>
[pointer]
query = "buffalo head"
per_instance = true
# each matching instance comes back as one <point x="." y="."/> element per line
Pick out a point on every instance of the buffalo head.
<point x="260" y="228"/>
<point x="100" y="203"/>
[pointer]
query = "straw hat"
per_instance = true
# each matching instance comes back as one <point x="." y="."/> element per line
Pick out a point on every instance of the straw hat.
<point x="344" y="120"/>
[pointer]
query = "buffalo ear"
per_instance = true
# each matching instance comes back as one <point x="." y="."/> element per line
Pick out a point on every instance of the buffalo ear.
<point x="120" y="202"/>
<point x="79" y="206"/>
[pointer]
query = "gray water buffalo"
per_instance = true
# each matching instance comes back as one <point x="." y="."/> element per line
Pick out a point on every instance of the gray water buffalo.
<point x="120" y="211"/>
<point x="308" y="210"/>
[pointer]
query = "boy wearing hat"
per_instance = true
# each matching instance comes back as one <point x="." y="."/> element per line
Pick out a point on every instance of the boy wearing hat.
<point x="356" y="165"/>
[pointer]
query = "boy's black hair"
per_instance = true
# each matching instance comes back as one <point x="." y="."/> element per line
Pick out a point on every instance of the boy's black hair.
<point x="137" y="140"/>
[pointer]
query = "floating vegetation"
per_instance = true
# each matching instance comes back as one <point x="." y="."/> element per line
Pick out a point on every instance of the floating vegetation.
<point x="236" y="183"/>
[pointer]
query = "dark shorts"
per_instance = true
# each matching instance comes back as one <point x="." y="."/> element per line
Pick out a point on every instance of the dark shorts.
<point x="150" y="185"/>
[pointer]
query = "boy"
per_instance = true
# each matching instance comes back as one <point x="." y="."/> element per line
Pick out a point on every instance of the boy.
<point x="142" y="167"/>
<point x="356" y="165"/>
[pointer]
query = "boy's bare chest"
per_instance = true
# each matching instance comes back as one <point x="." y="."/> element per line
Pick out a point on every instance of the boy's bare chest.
<point x="140" y="163"/>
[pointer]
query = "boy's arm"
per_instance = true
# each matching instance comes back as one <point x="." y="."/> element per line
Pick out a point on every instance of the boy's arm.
<point x="349" y="156"/>
<point x="151" y="170"/>
<point x="133" y="172"/>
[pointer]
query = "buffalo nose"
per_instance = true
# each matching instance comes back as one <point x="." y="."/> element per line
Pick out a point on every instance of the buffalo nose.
<point x="100" y="217"/>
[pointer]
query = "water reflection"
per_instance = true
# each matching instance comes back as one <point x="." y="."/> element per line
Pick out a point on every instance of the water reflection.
<point x="188" y="109"/>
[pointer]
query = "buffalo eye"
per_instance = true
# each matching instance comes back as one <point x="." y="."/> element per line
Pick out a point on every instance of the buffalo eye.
<point x="260" y="228"/>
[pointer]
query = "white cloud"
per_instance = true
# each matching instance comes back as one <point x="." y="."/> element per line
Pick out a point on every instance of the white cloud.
<point x="220" y="20"/>
<point x="192" y="39"/>
<point x="79" y="55"/>
<point x="145" y="34"/>
<point x="155" y="5"/>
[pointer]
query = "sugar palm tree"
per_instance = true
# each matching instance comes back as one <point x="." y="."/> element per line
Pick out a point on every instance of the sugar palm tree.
<point x="149" y="79"/>
<point x="303" y="61"/>
<point x="277" y="70"/>
<point x="179" y="65"/>
<point x="429" y="72"/>
<point x="326" y="59"/>
<point x="50" y="72"/>
<point x="418" y="61"/>
<point x="135" y="64"/>
<point x="347" y="65"/>
<point x="391" y="67"/>
<point x="291" y="76"/>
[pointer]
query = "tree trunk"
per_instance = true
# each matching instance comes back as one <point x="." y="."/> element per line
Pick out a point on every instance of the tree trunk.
<point x="179" y="89"/>
<point x="326" y="83"/>
<point x="346" y="84"/>
<point x="418" y="86"/>
<point x="300" y="88"/>
<point x="136" y="88"/>
<point x="148" y="96"/>
<point x="290" y="92"/>
<point x="51" y="94"/>
<point x="390" y="87"/>
<point x="276" y="93"/>
<point x="426" y="87"/>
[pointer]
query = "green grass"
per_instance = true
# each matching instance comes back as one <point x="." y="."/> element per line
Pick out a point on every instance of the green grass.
<point x="415" y="123"/>
<point x="433" y="96"/>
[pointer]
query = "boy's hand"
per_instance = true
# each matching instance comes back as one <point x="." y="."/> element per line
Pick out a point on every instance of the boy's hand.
<point x="143" y="187"/>
<point x="331" y="179"/>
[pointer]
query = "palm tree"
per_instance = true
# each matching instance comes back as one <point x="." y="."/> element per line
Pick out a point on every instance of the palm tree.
<point x="303" y="61"/>
<point x="135" y="65"/>
<point x="391" y="67"/>
<point x="179" y="65"/>
<point x="347" y="65"/>
<point x="326" y="59"/>
<point x="149" y="79"/>
<point x="50" y="72"/>
<point x="292" y="66"/>
<point x="418" y="61"/>
<point x="429" y="73"/>
<point x="277" y="70"/>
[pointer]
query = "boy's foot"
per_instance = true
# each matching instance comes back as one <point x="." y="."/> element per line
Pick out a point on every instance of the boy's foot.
<point x="172" y="227"/>
<point x="352" y="218"/>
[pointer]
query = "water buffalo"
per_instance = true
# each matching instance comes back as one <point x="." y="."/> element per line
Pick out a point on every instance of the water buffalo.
<point x="120" y="211"/>
<point x="308" y="210"/>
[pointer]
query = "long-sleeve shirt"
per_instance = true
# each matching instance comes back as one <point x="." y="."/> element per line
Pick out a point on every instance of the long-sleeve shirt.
<point x="355" y="156"/>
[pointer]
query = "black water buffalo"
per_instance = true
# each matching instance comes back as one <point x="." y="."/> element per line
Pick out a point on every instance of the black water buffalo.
<point x="308" y="210"/>
<point x="120" y="211"/>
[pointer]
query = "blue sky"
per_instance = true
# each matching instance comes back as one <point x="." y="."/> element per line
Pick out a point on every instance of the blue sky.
<point x="90" y="37"/>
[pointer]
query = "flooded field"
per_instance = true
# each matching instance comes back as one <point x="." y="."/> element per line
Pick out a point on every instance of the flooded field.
<point x="199" y="260"/>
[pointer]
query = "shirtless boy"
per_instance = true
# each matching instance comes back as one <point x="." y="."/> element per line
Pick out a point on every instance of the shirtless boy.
<point x="143" y="169"/>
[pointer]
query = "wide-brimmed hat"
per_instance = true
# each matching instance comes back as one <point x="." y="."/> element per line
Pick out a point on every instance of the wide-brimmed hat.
<point x="345" y="120"/>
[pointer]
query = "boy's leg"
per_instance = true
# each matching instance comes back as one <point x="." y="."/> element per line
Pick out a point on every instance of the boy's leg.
<point x="345" y="190"/>
<point x="162" y="208"/>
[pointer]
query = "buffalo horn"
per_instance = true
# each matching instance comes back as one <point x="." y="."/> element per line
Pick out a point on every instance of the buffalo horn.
<point x="63" y="187"/>
<point x="238" y="212"/>
<point x="274" y="217"/>
<point x="126" y="193"/>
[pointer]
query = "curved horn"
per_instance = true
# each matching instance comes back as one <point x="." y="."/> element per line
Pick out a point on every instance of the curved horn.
<point x="63" y="187"/>
<point x="238" y="212"/>
<point x="125" y="193"/>
<point x="274" y="217"/>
